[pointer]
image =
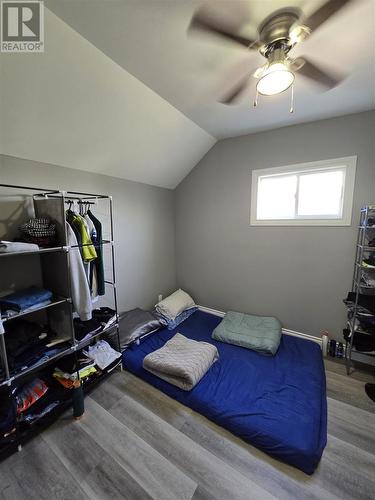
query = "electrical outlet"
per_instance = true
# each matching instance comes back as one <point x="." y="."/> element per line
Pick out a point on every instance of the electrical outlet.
<point x="160" y="297"/>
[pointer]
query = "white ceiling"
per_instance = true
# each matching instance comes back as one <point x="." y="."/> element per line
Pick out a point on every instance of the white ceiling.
<point x="143" y="106"/>
<point x="148" y="38"/>
<point x="73" y="106"/>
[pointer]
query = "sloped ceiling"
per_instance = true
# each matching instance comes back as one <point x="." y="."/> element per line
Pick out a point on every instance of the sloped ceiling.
<point x="75" y="107"/>
<point x="122" y="90"/>
<point x="149" y="39"/>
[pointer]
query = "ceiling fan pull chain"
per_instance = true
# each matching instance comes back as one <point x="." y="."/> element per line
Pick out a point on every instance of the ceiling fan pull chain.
<point x="255" y="103"/>
<point x="291" y="110"/>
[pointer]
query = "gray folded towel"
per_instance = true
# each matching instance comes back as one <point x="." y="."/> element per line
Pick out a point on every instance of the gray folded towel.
<point x="16" y="246"/>
<point x="181" y="361"/>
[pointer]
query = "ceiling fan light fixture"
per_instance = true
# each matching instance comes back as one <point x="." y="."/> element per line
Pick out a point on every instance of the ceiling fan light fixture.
<point x="275" y="79"/>
<point x="299" y="34"/>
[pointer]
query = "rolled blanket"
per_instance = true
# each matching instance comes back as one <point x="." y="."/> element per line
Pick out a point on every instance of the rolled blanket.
<point x="181" y="361"/>
<point x="16" y="246"/>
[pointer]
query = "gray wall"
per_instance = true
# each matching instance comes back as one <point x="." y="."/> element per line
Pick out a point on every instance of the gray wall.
<point x="144" y="225"/>
<point x="298" y="274"/>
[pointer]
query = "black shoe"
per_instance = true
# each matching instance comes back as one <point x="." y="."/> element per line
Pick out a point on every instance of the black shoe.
<point x="370" y="391"/>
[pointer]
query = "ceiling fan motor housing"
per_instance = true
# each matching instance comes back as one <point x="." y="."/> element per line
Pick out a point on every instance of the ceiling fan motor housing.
<point x="277" y="35"/>
<point x="277" y="54"/>
<point x="274" y="31"/>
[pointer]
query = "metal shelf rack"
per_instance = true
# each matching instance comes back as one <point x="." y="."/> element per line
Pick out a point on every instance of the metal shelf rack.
<point x="54" y="264"/>
<point x="366" y="232"/>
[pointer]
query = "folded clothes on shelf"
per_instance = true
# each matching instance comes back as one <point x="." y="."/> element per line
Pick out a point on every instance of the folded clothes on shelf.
<point x="29" y="394"/>
<point x="25" y="299"/>
<point x="42" y="406"/>
<point x="7" y="415"/>
<point x="366" y="328"/>
<point x="65" y="382"/>
<point x="368" y="280"/>
<point x="105" y="315"/>
<point x="367" y="320"/>
<point x="37" y="356"/>
<point x="85" y="329"/>
<point x="369" y="263"/>
<point x="69" y="380"/>
<point x="8" y="313"/>
<point x="17" y="246"/>
<point x="26" y="344"/>
<point x="71" y="369"/>
<point x="102" y="318"/>
<point x="54" y="341"/>
<point x="71" y="363"/>
<point x="364" y="342"/>
<point x="366" y="303"/>
<point x="29" y="356"/>
<point x="102" y="353"/>
<point x="34" y="417"/>
<point x="20" y="335"/>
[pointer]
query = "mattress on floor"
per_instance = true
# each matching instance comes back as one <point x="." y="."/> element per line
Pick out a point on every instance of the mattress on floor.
<point x="277" y="404"/>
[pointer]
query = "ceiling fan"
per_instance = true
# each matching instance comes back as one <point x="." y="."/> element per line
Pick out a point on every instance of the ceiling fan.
<point x="277" y="35"/>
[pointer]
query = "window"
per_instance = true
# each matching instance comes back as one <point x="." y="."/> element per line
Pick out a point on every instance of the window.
<point x="317" y="193"/>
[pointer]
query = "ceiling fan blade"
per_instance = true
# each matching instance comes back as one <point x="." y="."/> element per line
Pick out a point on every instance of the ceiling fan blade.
<point x="215" y="29"/>
<point x="321" y="15"/>
<point x="216" y="18"/>
<point x="310" y="70"/>
<point x="230" y="97"/>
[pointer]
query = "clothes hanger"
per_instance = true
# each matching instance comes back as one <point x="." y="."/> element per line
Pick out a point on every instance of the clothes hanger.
<point x="70" y="204"/>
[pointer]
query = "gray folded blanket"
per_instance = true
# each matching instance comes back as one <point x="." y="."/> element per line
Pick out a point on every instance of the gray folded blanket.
<point x="259" y="333"/>
<point x="181" y="361"/>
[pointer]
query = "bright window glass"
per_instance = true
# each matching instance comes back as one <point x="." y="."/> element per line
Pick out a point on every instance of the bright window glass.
<point x="321" y="194"/>
<point x="316" y="193"/>
<point x="276" y="197"/>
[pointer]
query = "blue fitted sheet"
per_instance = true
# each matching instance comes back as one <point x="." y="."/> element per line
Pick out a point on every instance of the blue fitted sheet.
<point x="277" y="404"/>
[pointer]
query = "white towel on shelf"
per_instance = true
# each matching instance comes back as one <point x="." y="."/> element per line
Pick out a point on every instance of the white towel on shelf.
<point x="16" y="246"/>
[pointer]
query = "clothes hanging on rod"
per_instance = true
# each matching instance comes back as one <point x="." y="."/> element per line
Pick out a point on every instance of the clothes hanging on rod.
<point x="79" y="223"/>
<point x="88" y="232"/>
<point x="92" y="274"/>
<point x="97" y="266"/>
<point x="81" y="295"/>
<point x="1" y="325"/>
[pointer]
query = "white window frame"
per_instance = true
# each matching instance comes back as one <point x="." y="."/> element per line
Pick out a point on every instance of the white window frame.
<point x="349" y="164"/>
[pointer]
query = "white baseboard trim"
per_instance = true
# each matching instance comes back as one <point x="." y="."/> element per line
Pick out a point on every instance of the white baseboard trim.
<point x="215" y="312"/>
<point x="318" y="340"/>
<point x="285" y="331"/>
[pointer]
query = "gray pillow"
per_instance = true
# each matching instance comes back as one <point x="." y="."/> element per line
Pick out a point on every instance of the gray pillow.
<point x="135" y="323"/>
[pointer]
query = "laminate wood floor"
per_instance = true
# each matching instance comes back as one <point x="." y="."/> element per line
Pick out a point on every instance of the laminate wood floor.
<point x="136" y="443"/>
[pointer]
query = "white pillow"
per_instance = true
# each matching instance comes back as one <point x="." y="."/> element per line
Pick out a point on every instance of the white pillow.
<point x="175" y="304"/>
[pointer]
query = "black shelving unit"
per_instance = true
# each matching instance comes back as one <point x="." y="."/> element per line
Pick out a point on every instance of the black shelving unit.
<point x="49" y="268"/>
<point x="366" y="233"/>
